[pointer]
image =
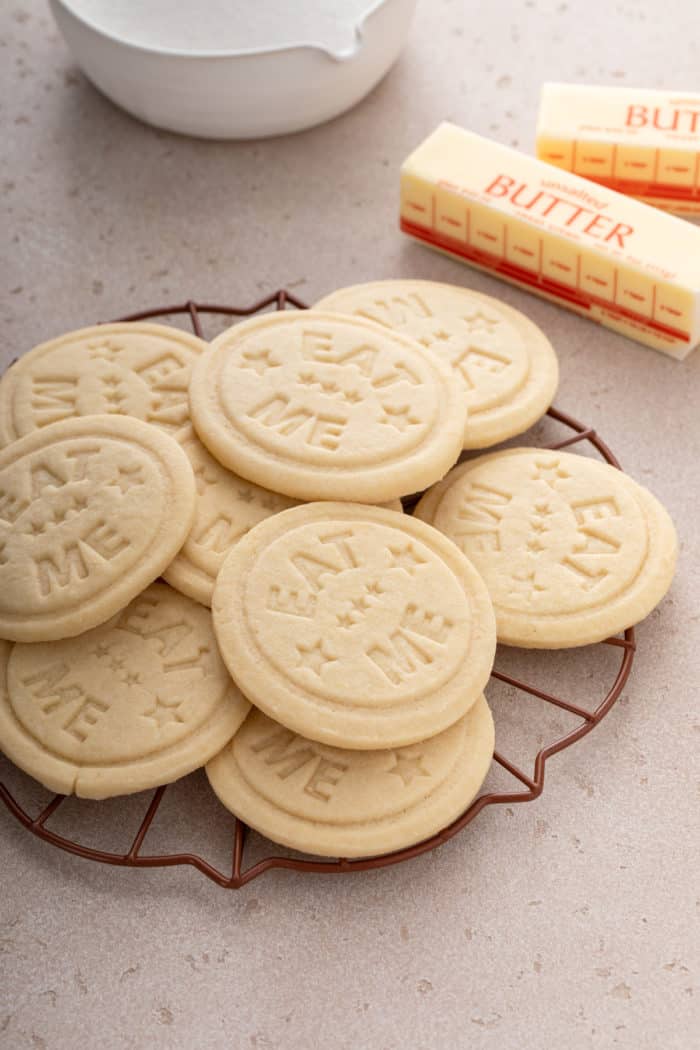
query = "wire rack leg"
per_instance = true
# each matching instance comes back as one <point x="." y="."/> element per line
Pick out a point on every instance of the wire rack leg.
<point x="146" y="822"/>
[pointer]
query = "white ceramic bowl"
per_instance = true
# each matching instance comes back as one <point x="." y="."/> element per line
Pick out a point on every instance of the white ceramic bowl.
<point x="236" y="94"/>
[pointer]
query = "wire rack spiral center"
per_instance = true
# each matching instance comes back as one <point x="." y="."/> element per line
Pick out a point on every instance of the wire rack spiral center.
<point x="527" y="784"/>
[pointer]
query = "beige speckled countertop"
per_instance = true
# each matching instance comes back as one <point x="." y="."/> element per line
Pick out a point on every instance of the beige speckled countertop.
<point x="569" y="922"/>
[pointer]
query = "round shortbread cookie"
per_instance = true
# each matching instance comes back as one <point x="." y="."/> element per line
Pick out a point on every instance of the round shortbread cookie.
<point x="340" y="803"/>
<point x="227" y="507"/>
<point x="353" y="625"/>
<point x="319" y="406"/>
<point x="131" y="369"/>
<point x="130" y="705"/>
<point x="503" y="364"/>
<point x="572" y="550"/>
<point x="92" y="510"/>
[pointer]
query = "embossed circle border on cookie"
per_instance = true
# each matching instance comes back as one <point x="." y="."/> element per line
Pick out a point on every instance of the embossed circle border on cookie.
<point x="532" y="785"/>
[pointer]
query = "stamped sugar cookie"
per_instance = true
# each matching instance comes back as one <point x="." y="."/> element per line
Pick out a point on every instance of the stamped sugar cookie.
<point x="354" y="626"/>
<point x="128" y="369"/>
<point x="572" y="550"/>
<point x="319" y="406"/>
<point x="92" y="510"/>
<point x="135" y="703"/>
<point x="227" y="507"/>
<point x="340" y="803"/>
<point x="503" y="364"/>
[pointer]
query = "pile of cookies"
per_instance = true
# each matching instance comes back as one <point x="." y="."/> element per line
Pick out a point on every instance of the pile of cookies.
<point x="323" y="654"/>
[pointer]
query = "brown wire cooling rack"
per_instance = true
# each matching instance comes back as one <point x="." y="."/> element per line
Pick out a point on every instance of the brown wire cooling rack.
<point x="588" y="717"/>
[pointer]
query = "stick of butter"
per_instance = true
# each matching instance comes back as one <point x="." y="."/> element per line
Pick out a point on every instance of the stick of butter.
<point x="643" y="143"/>
<point x="603" y="255"/>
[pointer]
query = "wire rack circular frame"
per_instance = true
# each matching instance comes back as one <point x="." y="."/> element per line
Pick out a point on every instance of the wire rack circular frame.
<point x="239" y="875"/>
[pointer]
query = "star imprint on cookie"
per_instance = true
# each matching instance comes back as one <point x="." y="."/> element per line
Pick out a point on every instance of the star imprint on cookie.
<point x="314" y="658"/>
<point x="405" y="559"/>
<point x="258" y="361"/>
<point x="550" y="473"/>
<point x="245" y="495"/>
<point x="110" y="380"/>
<point x="441" y="336"/>
<point x="60" y="514"/>
<point x="101" y="649"/>
<point x="398" y="418"/>
<point x="130" y="677"/>
<point x="127" y="479"/>
<point x="114" y="400"/>
<point x="35" y="528"/>
<point x="165" y="714"/>
<point x="329" y="387"/>
<point x="360" y="605"/>
<point x="104" y="350"/>
<point x="525" y="584"/>
<point x="540" y="513"/>
<point x="478" y="322"/>
<point x="203" y="478"/>
<point x="80" y="502"/>
<point x="408" y="767"/>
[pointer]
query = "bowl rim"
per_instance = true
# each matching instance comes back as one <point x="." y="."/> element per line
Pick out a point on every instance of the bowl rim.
<point x="342" y="55"/>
